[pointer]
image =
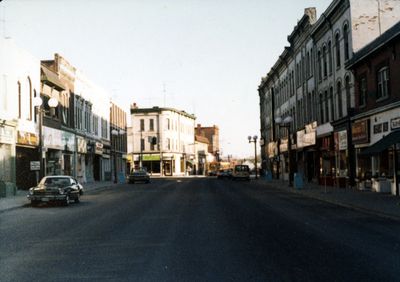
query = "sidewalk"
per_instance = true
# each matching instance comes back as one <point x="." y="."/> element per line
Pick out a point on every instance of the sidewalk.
<point x="382" y="204"/>
<point x="19" y="200"/>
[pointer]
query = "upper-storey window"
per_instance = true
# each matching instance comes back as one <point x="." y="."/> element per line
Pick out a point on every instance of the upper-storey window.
<point x="362" y="86"/>
<point x="337" y="47"/>
<point x="346" y="41"/>
<point x="382" y="83"/>
<point x="319" y="66"/>
<point x="330" y="57"/>
<point x="151" y="125"/>
<point x="142" y="125"/>
<point x="324" y="61"/>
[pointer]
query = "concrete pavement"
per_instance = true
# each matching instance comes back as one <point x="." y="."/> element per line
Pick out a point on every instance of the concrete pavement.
<point x="383" y="204"/>
<point x="20" y="199"/>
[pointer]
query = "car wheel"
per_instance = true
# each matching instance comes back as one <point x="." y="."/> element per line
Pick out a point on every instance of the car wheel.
<point x="66" y="201"/>
<point x="77" y="199"/>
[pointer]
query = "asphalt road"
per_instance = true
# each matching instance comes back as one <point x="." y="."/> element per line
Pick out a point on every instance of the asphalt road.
<point x="197" y="230"/>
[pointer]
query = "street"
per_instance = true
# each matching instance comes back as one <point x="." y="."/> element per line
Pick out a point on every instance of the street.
<point x="197" y="229"/>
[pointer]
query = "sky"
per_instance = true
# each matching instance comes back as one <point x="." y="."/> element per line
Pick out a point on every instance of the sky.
<point x="201" y="56"/>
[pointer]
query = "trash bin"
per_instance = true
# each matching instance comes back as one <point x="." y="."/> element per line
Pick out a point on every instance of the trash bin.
<point x="298" y="181"/>
<point x="268" y="176"/>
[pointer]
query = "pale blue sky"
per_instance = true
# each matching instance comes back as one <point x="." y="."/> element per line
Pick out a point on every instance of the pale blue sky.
<point x="210" y="55"/>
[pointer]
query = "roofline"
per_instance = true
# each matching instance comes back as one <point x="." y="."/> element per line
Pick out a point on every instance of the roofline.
<point x="159" y="110"/>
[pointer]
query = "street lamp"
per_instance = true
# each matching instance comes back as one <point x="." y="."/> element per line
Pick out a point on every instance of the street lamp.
<point x="254" y="140"/>
<point x="38" y="102"/>
<point x="285" y="123"/>
<point x="115" y="133"/>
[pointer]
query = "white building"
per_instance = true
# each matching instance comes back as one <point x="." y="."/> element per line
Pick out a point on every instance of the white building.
<point x="162" y="140"/>
<point x="19" y="84"/>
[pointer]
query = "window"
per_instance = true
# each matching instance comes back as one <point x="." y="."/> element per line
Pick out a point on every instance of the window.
<point x="337" y="47"/>
<point x="151" y="125"/>
<point x="363" y="91"/>
<point x="142" y="144"/>
<point x="321" y="108"/>
<point x="324" y="61"/>
<point x="347" y="86"/>
<point x="332" y="104"/>
<point x="168" y="124"/>
<point x="19" y="100"/>
<point x="142" y="125"/>
<point x="339" y="95"/>
<point x="346" y="42"/>
<point x="30" y="99"/>
<point x="326" y="107"/>
<point x="383" y="83"/>
<point x="319" y="66"/>
<point x="330" y="57"/>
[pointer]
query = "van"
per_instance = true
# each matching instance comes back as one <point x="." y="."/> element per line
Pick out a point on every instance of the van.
<point x="241" y="172"/>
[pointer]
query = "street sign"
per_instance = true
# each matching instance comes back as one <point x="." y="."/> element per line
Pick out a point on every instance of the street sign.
<point x="35" y="165"/>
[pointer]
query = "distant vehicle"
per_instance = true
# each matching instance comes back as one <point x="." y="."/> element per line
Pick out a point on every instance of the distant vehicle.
<point x="241" y="172"/>
<point x="212" y="173"/>
<point x="224" y="173"/>
<point x="56" y="188"/>
<point x="140" y="175"/>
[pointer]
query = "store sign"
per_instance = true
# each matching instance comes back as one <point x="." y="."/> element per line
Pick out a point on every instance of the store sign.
<point x="6" y="135"/>
<point x="151" y="157"/>
<point x="272" y="149"/>
<point x="305" y="139"/>
<point x="27" y="138"/>
<point x="99" y="148"/>
<point x="283" y="146"/>
<point x="342" y="140"/>
<point x="395" y="123"/>
<point x="57" y="139"/>
<point x="82" y="145"/>
<point x="360" y="132"/>
<point x="35" y="165"/>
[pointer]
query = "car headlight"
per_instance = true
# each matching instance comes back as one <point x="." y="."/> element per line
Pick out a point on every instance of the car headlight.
<point x="61" y="191"/>
<point x="31" y="191"/>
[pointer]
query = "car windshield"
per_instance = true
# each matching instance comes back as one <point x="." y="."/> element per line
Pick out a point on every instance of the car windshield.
<point x="55" y="181"/>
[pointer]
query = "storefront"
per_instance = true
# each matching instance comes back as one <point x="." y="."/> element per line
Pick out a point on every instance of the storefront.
<point x="59" y="148"/>
<point x="341" y="169"/>
<point x="82" y="150"/>
<point x="325" y="155"/>
<point x="7" y="155"/>
<point x="26" y="152"/>
<point x="305" y="144"/>
<point x="381" y="158"/>
<point x="361" y="140"/>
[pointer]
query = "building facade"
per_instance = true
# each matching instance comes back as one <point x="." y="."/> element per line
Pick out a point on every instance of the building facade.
<point x="118" y="134"/>
<point x="162" y="140"/>
<point x="376" y="119"/>
<point x="19" y="84"/>
<point x="310" y="83"/>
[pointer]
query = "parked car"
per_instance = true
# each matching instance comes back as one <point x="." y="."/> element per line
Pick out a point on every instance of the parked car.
<point x="212" y="173"/>
<point x="56" y="188"/>
<point x="241" y="172"/>
<point x="140" y="175"/>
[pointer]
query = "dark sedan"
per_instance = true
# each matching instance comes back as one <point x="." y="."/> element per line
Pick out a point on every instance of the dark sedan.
<point x="57" y="188"/>
<point x="140" y="175"/>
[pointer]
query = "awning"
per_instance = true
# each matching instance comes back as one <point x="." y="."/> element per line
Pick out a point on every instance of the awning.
<point x="384" y="143"/>
<point x="52" y="78"/>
